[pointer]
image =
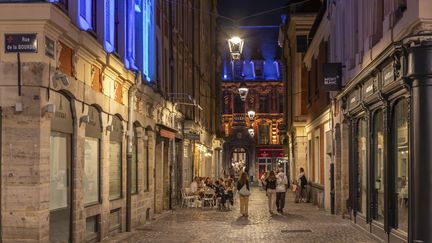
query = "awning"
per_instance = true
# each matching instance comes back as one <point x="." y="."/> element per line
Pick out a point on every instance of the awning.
<point x="166" y="132"/>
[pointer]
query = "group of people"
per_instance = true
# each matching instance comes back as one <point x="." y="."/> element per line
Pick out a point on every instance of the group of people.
<point x="275" y="184"/>
<point x="223" y="189"/>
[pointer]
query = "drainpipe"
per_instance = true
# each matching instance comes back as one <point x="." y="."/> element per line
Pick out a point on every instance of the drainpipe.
<point x="1" y="152"/>
<point x="171" y="67"/>
<point x="130" y="135"/>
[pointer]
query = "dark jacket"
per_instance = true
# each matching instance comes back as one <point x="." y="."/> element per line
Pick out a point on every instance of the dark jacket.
<point x="240" y="185"/>
<point x="270" y="184"/>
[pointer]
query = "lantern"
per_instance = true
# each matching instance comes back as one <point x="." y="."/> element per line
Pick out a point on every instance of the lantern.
<point x="236" y="47"/>
<point x="251" y="115"/>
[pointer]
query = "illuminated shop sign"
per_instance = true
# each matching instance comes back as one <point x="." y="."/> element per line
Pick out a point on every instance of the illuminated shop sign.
<point x="332" y="76"/>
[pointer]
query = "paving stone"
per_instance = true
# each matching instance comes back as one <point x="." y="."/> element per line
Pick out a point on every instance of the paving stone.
<point x="299" y="223"/>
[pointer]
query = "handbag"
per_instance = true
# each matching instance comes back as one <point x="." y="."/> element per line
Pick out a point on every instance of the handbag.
<point x="244" y="191"/>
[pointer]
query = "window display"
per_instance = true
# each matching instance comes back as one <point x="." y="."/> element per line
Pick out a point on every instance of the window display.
<point x="91" y="170"/>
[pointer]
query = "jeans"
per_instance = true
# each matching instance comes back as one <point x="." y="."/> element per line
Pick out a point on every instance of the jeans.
<point x="280" y="200"/>
<point x="271" y="194"/>
<point x="244" y="203"/>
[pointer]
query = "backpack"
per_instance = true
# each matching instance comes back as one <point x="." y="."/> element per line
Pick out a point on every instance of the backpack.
<point x="303" y="181"/>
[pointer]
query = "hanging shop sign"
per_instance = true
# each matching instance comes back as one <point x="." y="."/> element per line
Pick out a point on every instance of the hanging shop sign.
<point x="192" y="136"/>
<point x="20" y="43"/>
<point x="332" y="76"/>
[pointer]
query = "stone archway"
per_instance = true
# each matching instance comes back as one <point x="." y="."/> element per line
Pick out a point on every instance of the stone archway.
<point x="239" y="138"/>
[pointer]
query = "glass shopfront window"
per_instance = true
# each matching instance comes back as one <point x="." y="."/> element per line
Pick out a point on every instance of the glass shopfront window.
<point x="60" y="170"/>
<point x="115" y="170"/>
<point x="91" y="170"/>
<point x="146" y="165"/>
<point x="401" y="160"/>
<point x="361" y="163"/>
<point x="92" y="142"/>
<point x="378" y="159"/>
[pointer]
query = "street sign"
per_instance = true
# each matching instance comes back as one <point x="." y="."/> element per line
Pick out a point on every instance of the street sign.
<point x="20" y="43"/>
<point x="192" y="136"/>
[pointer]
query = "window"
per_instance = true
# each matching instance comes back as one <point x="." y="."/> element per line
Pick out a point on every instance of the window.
<point x="264" y="104"/>
<point x="91" y="170"/>
<point x="117" y="10"/>
<point x="115" y="170"/>
<point x="302" y="44"/>
<point x="134" y="169"/>
<point x="264" y="134"/>
<point x="94" y="15"/>
<point x="401" y="160"/>
<point x="238" y="104"/>
<point x="115" y="159"/>
<point x="59" y="203"/>
<point x="361" y="163"/>
<point x="146" y="165"/>
<point x="317" y="161"/>
<point x="378" y="157"/>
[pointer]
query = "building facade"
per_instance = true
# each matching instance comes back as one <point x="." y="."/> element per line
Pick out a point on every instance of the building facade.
<point x="253" y="124"/>
<point x="377" y="115"/>
<point x="99" y="114"/>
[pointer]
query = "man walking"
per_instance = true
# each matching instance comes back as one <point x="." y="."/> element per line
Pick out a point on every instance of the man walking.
<point x="281" y="188"/>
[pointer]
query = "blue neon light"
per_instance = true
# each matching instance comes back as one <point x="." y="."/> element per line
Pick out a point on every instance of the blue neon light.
<point x="145" y="37"/>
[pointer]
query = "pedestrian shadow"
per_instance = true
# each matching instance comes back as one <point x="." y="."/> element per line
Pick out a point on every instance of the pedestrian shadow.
<point x="241" y="222"/>
<point x="286" y="217"/>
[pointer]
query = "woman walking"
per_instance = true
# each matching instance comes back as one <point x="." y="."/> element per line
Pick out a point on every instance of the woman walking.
<point x="270" y="183"/>
<point x="244" y="192"/>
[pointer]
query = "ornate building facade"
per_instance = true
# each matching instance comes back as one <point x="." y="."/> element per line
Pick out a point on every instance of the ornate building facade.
<point x="253" y="125"/>
<point x="102" y="104"/>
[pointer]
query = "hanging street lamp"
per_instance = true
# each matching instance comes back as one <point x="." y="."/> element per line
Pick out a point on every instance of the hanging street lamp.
<point x="251" y="115"/>
<point x="251" y="132"/>
<point x="243" y="91"/>
<point x="236" y="47"/>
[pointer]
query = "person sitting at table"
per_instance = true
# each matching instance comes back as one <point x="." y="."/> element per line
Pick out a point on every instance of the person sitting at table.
<point x="194" y="186"/>
<point x="229" y="187"/>
<point x="220" y="193"/>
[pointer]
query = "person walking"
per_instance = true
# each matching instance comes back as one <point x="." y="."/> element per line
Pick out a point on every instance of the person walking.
<point x="281" y="187"/>
<point x="270" y="184"/>
<point x="301" y="186"/>
<point x="244" y="193"/>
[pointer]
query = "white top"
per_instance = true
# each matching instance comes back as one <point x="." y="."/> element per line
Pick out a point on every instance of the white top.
<point x="194" y="186"/>
<point x="281" y="182"/>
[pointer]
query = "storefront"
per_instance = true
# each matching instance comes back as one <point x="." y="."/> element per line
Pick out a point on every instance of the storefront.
<point x="387" y="158"/>
<point x="269" y="158"/>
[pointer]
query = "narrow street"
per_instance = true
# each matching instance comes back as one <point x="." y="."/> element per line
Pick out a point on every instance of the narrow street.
<point x="300" y="223"/>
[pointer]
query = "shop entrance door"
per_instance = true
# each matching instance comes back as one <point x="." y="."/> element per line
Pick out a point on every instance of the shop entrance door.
<point x="264" y="165"/>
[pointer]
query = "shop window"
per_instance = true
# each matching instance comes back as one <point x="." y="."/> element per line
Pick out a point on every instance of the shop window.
<point x="65" y="59"/>
<point x="115" y="159"/>
<point x="92" y="229"/>
<point x="91" y="170"/>
<point x="361" y="163"/>
<point x="378" y="157"/>
<point x="134" y="165"/>
<point x="401" y="159"/>
<point x="92" y="162"/>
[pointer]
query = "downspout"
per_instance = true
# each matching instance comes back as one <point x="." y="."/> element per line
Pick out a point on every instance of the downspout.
<point x="130" y="135"/>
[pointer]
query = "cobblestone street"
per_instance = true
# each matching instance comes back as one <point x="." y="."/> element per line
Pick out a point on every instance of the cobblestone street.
<point x="299" y="223"/>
